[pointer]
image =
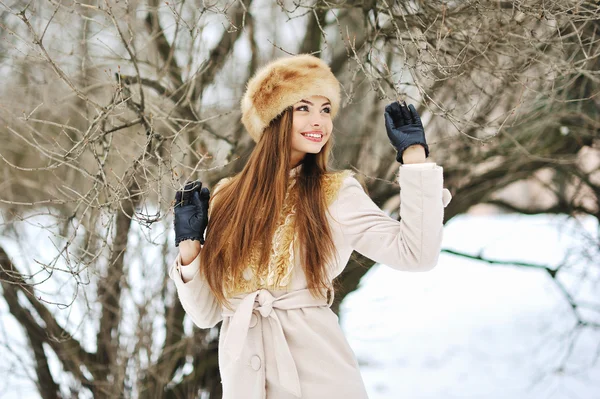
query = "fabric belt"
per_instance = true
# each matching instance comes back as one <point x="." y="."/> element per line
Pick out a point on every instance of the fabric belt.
<point x="263" y="301"/>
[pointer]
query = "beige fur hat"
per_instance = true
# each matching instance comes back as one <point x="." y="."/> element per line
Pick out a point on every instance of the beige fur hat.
<point x="283" y="82"/>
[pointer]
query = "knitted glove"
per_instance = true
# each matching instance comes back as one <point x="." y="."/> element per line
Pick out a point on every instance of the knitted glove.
<point x="404" y="128"/>
<point x="191" y="212"/>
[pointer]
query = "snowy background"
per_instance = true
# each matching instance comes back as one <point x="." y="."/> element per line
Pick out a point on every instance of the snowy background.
<point x="466" y="329"/>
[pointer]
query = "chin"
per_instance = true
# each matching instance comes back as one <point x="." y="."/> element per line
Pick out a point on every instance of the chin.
<point x="313" y="151"/>
<point x="307" y="148"/>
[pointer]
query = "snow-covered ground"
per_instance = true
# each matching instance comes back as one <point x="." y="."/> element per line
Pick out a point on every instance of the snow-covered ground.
<point x="465" y="329"/>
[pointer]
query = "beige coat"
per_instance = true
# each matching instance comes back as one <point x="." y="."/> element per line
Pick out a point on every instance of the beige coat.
<point x="285" y="344"/>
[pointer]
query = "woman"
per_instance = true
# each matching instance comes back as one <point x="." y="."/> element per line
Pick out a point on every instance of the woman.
<point x="283" y="228"/>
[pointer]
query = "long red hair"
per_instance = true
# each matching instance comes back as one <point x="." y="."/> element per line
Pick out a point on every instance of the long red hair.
<point x="246" y="210"/>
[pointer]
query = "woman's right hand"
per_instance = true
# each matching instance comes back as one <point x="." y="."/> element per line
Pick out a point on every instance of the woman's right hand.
<point x="191" y="212"/>
<point x="404" y="128"/>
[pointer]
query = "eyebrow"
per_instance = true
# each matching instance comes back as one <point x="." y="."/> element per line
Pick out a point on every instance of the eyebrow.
<point x="308" y="102"/>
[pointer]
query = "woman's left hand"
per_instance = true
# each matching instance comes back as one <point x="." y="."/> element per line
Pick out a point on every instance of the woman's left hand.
<point x="404" y="128"/>
<point x="191" y="212"/>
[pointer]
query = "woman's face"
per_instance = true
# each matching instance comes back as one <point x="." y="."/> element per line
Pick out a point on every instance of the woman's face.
<point x="311" y="126"/>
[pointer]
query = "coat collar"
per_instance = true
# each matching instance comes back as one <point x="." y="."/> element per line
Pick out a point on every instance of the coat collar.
<point x="295" y="170"/>
<point x="277" y="275"/>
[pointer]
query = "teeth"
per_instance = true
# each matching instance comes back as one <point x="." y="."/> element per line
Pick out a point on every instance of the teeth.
<point x="317" y="136"/>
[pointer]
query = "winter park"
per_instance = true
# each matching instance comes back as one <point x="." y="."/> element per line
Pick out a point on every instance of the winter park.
<point x="431" y="168"/>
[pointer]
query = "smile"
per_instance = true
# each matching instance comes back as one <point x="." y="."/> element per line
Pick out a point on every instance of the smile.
<point x="315" y="137"/>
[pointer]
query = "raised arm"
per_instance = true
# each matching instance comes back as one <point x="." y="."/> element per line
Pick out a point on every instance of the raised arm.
<point x="194" y="294"/>
<point x="411" y="244"/>
<point x="191" y="219"/>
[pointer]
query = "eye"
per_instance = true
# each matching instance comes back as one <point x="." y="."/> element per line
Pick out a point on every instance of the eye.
<point x="302" y="106"/>
<point x="327" y="109"/>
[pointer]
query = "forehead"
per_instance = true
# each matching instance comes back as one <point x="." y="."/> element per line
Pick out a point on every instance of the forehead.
<point x="317" y="100"/>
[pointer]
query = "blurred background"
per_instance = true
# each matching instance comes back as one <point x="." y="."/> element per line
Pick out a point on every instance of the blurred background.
<point x="109" y="106"/>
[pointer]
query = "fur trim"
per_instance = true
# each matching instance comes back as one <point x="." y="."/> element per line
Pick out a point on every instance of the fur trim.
<point x="277" y="275"/>
<point x="282" y="83"/>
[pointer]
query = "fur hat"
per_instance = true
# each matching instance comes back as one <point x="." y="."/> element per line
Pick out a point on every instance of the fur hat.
<point x="283" y="82"/>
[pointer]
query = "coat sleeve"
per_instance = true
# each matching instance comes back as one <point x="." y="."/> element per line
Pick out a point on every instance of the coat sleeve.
<point x="195" y="295"/>
<point x="411" y="244"/>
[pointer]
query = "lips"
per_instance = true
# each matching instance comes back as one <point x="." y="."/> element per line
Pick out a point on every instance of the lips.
<point x="312" y="136"/>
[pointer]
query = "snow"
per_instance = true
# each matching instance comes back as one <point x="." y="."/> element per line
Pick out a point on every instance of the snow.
<point x="466" y="329"/>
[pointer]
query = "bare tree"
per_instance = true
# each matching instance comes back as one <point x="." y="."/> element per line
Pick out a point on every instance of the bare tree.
<point x="108" y="107"/>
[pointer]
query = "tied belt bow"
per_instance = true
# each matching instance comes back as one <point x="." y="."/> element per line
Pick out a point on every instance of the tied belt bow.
<point x="263" y="301"/>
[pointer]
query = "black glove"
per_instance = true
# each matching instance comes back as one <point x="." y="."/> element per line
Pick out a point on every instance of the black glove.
<point x="404" y="128"/>
<point x="191" y="212"/>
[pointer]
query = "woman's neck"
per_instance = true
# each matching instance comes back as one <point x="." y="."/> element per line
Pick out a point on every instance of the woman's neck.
<point x="296" y="165"/>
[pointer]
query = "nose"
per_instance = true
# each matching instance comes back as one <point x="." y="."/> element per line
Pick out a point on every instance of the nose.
<point x="316" y="120"/>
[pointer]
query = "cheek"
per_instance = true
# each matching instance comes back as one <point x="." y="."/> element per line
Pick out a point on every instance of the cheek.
<point x="297" y="139"/>
<point x="298" y="122"/>
<point x="296" y="125"/>
<point x="327" y="126"/>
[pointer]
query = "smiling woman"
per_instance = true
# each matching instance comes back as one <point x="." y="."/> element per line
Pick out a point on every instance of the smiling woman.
<point x="311" y="127"/>
<point x="279" y="232"/>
